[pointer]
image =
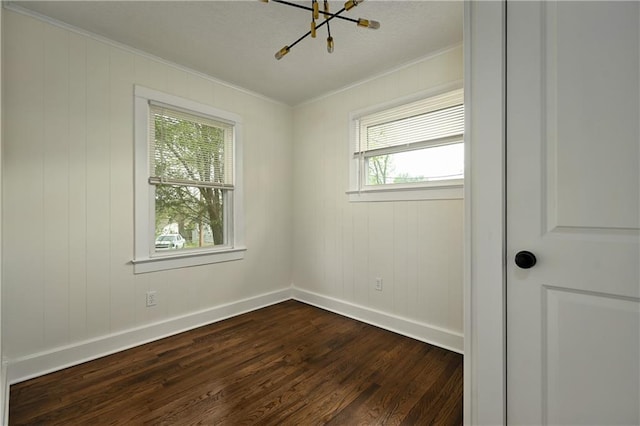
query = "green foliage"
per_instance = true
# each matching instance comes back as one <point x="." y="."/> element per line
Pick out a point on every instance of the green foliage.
<point x="189" y="150"/>
<point x="406" y="178"/>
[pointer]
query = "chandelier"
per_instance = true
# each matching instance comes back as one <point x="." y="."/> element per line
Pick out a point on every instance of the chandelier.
<point x="328" y="16"/>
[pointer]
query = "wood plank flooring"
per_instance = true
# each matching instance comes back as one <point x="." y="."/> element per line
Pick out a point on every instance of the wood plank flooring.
<point x="287" y="364"/>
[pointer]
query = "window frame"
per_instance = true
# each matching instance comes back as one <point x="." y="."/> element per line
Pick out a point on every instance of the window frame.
<point x="430" y="190"/>
<point x="146" y="259"/>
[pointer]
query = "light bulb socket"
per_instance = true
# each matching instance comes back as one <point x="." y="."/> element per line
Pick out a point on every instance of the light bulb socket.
<point x="351" y="3"/>
<point x="313" y="28"/>
<point x="366" y="23"/>
<point x="330" y="44"/>
<point x="316" y="10"/>
<point x="280" y="53"/>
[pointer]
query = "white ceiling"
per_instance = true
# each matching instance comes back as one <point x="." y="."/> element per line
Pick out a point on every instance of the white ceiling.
<point x="235" y="41"/>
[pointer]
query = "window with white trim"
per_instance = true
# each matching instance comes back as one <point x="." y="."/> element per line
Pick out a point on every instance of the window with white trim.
<point x="188" y="191"/>
<point x="413" y="148"/>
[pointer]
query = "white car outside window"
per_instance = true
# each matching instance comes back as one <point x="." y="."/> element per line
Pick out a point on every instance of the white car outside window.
<point x="169" y="242"/>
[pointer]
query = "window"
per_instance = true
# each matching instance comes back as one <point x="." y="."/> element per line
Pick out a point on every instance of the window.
<point x="188" y="193"/>
<point x="410" y="150"/>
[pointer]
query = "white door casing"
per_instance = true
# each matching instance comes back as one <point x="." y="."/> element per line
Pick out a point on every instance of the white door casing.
<point x="484" y="295"/>
<point x="573" y="190"/>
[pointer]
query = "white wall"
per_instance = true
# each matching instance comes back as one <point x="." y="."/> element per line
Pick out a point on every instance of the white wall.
<point x="4" y="399"/>
<point x="68" y="193"/>
<point x="339" y="248"/>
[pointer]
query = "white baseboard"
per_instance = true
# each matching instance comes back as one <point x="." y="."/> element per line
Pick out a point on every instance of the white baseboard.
<point x="21" y="369"/>
<point x="35" y="365"/>
<point x="433" y="335"/>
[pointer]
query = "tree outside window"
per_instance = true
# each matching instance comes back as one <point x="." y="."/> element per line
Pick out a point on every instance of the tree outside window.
<point x="190" y="162"/>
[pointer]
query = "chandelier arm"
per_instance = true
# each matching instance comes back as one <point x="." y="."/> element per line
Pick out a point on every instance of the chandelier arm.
<point x="336" y="15"/>
<point x="326" y="21"/>
<point x="299" y="40"/>
<point x="331" y="15"/>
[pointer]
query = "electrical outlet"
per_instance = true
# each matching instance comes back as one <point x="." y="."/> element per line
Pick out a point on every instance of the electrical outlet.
<point x="379" y="284"/>
<point x="151" y="298"/>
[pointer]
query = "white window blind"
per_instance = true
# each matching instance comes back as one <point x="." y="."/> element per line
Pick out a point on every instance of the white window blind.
<point x="438" y="120"/>
<point x="189" y="149"/>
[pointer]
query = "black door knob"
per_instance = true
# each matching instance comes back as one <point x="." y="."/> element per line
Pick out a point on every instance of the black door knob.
<point x="525" y="259"/>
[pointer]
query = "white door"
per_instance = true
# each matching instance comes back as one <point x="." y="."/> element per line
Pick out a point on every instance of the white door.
<point x="573" y="319"/>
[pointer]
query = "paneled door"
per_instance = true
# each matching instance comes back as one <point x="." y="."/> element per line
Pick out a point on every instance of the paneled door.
<point x="573" y="283"/>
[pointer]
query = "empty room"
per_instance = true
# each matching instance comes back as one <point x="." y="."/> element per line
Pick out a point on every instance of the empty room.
<point x="320" y="212"/>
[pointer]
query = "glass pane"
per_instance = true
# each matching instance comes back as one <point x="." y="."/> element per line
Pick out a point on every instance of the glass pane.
<point x="189" y="217"/>
<point x="423" y="165"/>
<point x="190" y="149"/>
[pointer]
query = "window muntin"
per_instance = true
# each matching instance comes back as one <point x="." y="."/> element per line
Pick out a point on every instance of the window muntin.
<point x="416" y="144"/>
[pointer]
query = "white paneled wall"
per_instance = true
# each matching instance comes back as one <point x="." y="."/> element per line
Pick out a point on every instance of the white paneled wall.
<point x="3" y="370"/>
<point x="68" y="192"/>
<point x="341" y="247"/>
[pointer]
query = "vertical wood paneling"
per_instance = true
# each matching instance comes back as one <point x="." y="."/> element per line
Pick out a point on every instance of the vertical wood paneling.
<point x="400" y="255"/>
<point x="224" y="95"/>
<point x="385" y="89"/>
<point x="302" y="212"/>
<point x="174" y="297"/>
<point x="433" y="266"/>
<point x="3" y="372"/>
<point x="68" y="192"/>
<point x="348" y="254"/>
<point x="313" y="257"/>
<point x="267" y="209"/>
<point x="23" y="210"/>
<point x="141" y="284"/>
<point x="258" y="153"/>
<point x="339" y="248"/>
<point x="380" y="233"/>
<point x="456" y="278"/>
<point x="150" y="73"/>
<point x="445" y="67"/>
<point x="282" y="171"/>
<point x="122" y="301"/>
<point x="414" y="306"/>
<point x="329" y="205"/>
<point x="361" y="253"/>
<point x="77" y="188"/>
<point x="56" y="186"/>
<point x="407" y="80"/>
<point x="158" y="282"/>
<point x="199" y="89"/>
<point x="98" y="189"/>
<point x="177" y="81"/>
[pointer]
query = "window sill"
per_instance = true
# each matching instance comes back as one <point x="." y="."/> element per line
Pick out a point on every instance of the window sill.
<point x="449" y="192"/>
<point x="183" y="260"/>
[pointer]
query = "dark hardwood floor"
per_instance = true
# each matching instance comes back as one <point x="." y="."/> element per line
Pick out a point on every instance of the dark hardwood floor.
<point x="287" y="364"/>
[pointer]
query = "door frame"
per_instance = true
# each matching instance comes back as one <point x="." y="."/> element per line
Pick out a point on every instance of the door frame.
<point x="484" y="214"/>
